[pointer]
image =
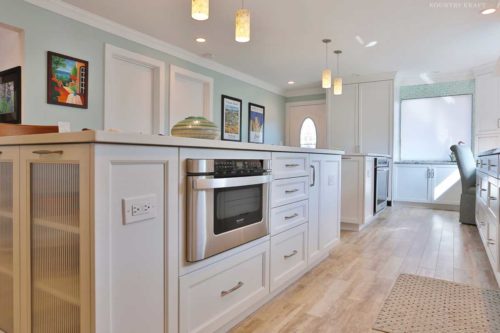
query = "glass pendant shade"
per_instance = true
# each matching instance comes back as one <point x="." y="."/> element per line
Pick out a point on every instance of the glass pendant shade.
<point x="200" y="9"/>
<point x="337" y="86"/>
<point x="326" y="79"/>
<point x="242" y="32"/>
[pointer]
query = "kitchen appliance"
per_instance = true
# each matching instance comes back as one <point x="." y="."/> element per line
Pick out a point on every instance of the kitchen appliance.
<point x="227" y="204"/>
<point x="381" y="184"/>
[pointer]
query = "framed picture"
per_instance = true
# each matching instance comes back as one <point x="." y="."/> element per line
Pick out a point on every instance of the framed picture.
<point x="10" y="96"/>
<point x="256" y="119"/>
<point x="67" y="81"/>
<point x="231" y="118"/>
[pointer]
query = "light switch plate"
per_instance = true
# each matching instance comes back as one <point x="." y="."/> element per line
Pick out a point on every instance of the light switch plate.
<point x="138" y="209"/>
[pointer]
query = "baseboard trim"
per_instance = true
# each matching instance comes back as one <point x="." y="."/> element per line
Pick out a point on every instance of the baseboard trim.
<point x="454" y="208"/>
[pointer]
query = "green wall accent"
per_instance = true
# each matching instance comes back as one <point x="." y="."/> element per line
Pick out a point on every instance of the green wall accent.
<point x="438" y="89"/>
<point x="305" y="98"/>
<point x="46" y="31"/>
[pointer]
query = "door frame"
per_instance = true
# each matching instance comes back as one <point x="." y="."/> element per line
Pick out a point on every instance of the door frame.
<point x="288" y="107"/>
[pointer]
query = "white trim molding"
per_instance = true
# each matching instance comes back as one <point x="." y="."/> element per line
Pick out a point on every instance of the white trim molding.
<point x="305" y="92"/>
<point x="208" y="91"/>
<point x="158" y="98"/>
<point x="62" y="8"/>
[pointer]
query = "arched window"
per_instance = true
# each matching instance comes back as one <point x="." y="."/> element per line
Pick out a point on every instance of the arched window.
<point x="308" y="134"/>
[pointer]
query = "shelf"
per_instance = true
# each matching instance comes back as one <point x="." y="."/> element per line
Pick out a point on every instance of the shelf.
<point x="60" y="288"/>
<point x="56" y="226"/>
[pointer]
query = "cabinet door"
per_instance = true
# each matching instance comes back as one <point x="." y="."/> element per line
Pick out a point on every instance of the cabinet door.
<point x="352" y="194"/>
<point x="9" y="239"/>
<point x="446" y="185"/>
<point x="487" y="103"/>
<point x="329" y="203"/>
<point x="314" y="197"/>
<point x="412" y="183"/>
<point x="55" y="229"/>
<point x="375" y="112"/>
<point x="345" y="119"/>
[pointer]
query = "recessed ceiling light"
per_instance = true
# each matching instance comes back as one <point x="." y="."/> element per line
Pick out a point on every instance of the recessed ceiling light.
<point x="488" y="11"/>
<point x="201" y="40"/>
<point x="371" y="44"/>
<point x="291" y="82"/>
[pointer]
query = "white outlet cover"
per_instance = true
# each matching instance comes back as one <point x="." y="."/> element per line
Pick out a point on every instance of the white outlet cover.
<point x="128" y="203"/>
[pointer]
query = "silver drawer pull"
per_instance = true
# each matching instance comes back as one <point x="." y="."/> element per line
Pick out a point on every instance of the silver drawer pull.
<point x="291" y="216"/>
<point x="233" y="289"/>
<point x="48" y="152"/>
<point x="291" y="254"/>
<point x="492" y="165"/>
<point x="491" y="243"/>
<point x="492" y="198"/>
<point x="293" y="165"/>
<point x="291" y="191"/>
<point x="483" y="190"/>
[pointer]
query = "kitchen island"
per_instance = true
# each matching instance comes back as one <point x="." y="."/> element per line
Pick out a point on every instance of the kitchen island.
<point x="96" y="227"/>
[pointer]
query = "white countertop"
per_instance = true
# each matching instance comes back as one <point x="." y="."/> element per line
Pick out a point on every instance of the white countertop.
<point x="367" y="154"/>
<point x="150" y="140"/>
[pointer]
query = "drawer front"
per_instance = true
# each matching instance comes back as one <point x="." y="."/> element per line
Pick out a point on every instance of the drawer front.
<point x="482" y="221"/>
<point x="492" y="240"/>
<point x="289" y="216"/>
<point x="493" y="196"/>
<point x="492" y="165"/>
<point x="482" y="187"/>
<point x="285" y="191"/>
<point x="482" y="163"/>
<point x="288" y="255"/>
<point x="286" y="165"/>
<point x="212" y="297"/>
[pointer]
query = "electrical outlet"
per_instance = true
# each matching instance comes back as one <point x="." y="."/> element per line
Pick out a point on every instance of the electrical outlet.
<point x="137" y="209"/>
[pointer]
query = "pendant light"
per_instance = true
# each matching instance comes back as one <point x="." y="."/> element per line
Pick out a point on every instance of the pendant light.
<point x="200" y="9"/>
<point x="337" y="81"/>
<point x="326" y="77"/>
<point x="242" y="30"/>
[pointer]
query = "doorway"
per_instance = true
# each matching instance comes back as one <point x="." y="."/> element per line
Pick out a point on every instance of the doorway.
<point x="306" y="124"/>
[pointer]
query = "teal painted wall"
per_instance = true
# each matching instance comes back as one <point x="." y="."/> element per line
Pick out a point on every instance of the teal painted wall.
<point x="305" y="98"/>
<point x="466" y="87"/>
<point x="46" y="31"/>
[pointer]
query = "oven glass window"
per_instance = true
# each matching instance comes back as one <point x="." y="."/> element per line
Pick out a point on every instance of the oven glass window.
<point x="236" y="207"/>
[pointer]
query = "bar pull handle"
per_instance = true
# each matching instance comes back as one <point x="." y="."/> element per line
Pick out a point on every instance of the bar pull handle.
<point x="483" y="190"/>
<point x="291" y="216"/>
<point x="286" y="256"/>
<point x="492" y="198"/>
<point x="48" y="152"/>
<point x="292" y="165"/>
<point x="291" y="191"/>
<point x="314" y="176"/>
<point x="233" y="289"/>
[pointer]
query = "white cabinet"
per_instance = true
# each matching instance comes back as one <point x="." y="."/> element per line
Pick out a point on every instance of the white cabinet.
<point x="362" y="118"/>
<point x="424" y="183"/>
<point x="357" y="197"/>
<point x="324" y="209"/>
<point x="487" y="103"/>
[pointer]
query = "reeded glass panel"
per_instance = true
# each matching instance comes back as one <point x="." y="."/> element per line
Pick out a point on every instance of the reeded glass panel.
<point x="6" y="248"/>
<point x="55" y="244"/>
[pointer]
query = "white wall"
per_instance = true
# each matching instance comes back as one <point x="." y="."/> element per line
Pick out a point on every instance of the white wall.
<point x="11" y="48"/>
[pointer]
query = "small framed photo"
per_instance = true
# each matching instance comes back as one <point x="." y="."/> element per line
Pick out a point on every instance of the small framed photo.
<point x="231" y="118"/>
<point x="256" y="119"/>
<point x="10" y="96"/>
<point x="67" y="81"/>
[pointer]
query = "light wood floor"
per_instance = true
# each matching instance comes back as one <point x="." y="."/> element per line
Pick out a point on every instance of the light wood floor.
<point x="347" y="290"/>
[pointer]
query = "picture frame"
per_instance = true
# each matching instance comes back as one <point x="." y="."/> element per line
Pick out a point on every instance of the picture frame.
<point x="67" y="81"/>
<point x="231" y="118"/>
<point x="256" y="123"/>
<point x="10" y="95"/>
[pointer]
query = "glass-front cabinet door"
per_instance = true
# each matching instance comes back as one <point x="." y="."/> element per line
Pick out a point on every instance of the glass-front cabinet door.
<point x="9" y="239"/>
<point x="56" y="238"/>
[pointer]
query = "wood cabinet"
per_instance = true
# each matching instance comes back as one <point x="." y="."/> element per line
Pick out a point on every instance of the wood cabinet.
<point x="426" y="183"/>
<point x="324" y="205"/>
<point x="362" y="118"/>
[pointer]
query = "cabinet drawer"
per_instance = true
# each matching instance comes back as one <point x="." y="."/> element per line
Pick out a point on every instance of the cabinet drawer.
<point x="285" y="191"/>
<point x="493" y="196"/>
<point x="287" y="165"/>
<point x="492" y="240"/>
<point x="212" y="297"/>
<point x="482" y="164"/>
<point x="481" y="220"/>
<point x="492" y="165"/>
<point x="289" y="216"/>
<point x="482" y="187"/>
<point x="288" y="255"/>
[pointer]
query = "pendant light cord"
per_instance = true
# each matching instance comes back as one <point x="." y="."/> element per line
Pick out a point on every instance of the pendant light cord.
<point x="338" y="64"/>
<point x="326" y="55"/>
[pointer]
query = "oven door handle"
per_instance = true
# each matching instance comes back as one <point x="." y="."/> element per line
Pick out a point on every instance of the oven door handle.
<point x="213" y="183"/>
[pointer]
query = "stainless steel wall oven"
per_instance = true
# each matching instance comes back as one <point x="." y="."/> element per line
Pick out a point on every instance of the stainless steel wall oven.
<point x="227" y="204"/>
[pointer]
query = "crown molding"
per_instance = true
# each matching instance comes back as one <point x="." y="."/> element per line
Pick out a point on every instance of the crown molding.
<point x="305" y="92"/>
<point x="488" y="68"/>
<point x="101" y="23"/>
<point x="410" y="79"/>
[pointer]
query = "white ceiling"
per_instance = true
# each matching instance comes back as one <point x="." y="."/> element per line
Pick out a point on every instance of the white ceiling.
<point x="413" y="36"/>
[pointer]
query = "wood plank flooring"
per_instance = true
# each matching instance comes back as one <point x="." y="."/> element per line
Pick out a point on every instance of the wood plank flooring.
<point x="347" y="290"/>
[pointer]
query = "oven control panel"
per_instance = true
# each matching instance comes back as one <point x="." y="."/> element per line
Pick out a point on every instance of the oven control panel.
<point x="238" y="168"/>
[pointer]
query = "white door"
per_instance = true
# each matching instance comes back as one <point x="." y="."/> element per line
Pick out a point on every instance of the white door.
<point x="300" y="114"/>
<point x="345" y="119"/>
<point x="329" y="206"/>
<point x="446" y="185"/>
<point x="412" y="183"/>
